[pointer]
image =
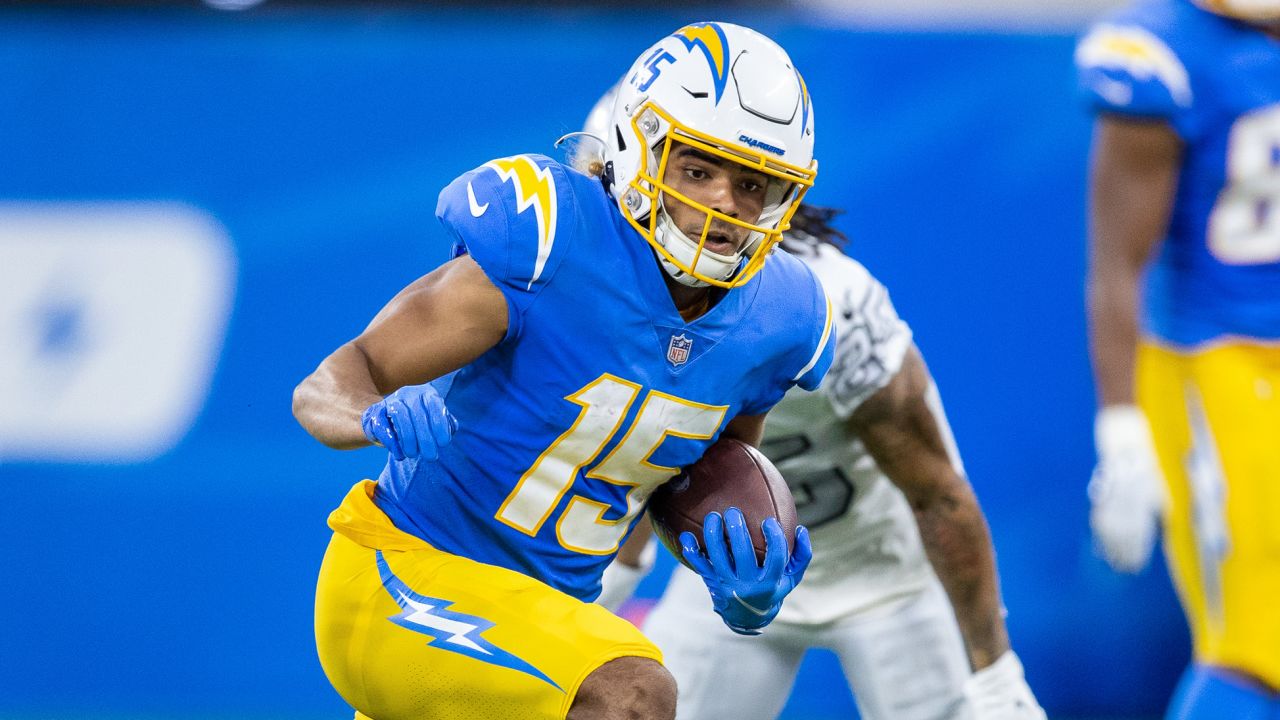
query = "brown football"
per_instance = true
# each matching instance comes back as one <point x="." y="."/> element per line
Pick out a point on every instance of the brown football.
<point x="730" y="473"/>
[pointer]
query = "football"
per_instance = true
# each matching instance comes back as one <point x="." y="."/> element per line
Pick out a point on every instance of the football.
<point x="730" y="474"/>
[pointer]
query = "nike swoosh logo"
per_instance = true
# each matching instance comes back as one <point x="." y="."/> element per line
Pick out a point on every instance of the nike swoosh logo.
<point x="749" y="606"/>
<point x="476" y="208"/>
<point x="1114" y="91"/>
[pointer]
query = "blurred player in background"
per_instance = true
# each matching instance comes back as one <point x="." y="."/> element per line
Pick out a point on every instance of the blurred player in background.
<point x="602" y="337"/>
<point x="1185" y="184"/>
<point x="859" y="455"/>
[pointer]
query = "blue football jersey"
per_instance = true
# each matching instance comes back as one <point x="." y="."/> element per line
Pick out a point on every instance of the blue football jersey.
<point x="1217" y="83"/>
<point x="600" y="391"/>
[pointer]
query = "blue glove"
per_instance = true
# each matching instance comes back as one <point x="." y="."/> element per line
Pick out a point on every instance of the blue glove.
<point x="746" y="596"/>
<point x="411" y="422"/>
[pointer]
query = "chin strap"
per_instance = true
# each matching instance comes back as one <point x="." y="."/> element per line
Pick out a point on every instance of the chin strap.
<point x="674" y="240"/>
<point x="677" y="274"/>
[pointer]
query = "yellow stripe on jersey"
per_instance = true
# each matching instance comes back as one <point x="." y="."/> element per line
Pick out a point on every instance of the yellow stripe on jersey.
<point x="822" y="342"/>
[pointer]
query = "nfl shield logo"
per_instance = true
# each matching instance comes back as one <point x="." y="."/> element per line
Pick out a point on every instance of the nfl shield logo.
<point x="678" y="351"/>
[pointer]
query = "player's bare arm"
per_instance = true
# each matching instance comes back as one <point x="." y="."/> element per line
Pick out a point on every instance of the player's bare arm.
<point x="1133" y="181"/>
<point x="747" y="428"/>
<point x="899" y="427"/>
<point x="437" y="324"/>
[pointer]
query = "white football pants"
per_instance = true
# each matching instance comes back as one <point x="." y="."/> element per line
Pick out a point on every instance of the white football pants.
<point x="904" y="660"/>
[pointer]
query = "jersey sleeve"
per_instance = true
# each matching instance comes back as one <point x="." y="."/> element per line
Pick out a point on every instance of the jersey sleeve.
<point x="823" y="342"/>
<point x="810" y="325"/>
<point x="872" y="339"/>
<point x="513" y="216"/>
<point x="1125" y="68"/>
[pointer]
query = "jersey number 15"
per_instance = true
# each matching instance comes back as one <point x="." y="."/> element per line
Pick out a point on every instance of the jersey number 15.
<point x="605" y="402"/>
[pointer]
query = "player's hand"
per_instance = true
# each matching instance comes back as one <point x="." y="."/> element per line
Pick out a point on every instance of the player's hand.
<point x="411" y="422"/>
<point x="1000" y="692"/>
<point x="746" y="595"/>
<point x="1127" y="491"/>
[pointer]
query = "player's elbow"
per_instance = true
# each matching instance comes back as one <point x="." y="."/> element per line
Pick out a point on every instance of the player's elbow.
<point x="944" y="491"/>
<point x="299" y="402"/>
<point x="304" y="407"/>
<point x="309" y="411"/>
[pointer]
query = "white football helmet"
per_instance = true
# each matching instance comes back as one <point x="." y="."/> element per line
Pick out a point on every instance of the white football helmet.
<point x="727" y="91"/>
<point x="1248" y="10"/>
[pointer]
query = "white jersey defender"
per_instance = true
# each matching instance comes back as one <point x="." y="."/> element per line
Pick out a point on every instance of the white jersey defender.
<point x="870" y="594"/>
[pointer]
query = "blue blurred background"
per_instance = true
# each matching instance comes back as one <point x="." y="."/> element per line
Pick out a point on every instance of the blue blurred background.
<point x="167" y="570"/>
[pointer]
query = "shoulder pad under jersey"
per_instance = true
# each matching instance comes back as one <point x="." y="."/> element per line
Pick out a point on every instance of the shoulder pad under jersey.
<point x="1128" y="65"/>
<point x="515" y="217"/>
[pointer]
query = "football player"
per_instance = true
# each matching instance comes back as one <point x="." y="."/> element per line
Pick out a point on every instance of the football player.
<point x="587" y="340"/>
<point x="859" y="456"/>
<point x="1185" y="187"/>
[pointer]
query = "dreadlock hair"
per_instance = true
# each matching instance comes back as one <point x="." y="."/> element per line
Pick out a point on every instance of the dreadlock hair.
<point x="811" y="224"/>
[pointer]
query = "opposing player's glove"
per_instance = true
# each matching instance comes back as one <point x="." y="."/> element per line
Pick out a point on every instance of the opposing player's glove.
<point x="1127" y="490"/>
<point x="411" y="422"/>
<point x="746" y="596"/>
<point x="1000" y="692"/>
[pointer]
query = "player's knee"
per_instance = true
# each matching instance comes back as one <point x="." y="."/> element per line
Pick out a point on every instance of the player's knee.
<point x="629" y="688"/>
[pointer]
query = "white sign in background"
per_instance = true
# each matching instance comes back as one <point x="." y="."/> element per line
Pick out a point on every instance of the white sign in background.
<point x="112" y="318"/>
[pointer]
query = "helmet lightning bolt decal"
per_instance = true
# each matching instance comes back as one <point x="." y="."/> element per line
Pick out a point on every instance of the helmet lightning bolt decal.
<point x="709" y="38"/>
<point x="804" y="102"/>
<point x="452" y="631"/>
<point x="535" y="188"/>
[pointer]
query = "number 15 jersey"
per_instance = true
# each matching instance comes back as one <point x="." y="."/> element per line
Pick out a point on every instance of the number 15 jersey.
<point x="599" y="392"/>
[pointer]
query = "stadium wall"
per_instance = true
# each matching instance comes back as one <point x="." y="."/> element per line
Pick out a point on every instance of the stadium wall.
<point x="196" y="208"/>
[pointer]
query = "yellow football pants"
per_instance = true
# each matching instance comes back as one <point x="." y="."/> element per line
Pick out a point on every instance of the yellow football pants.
<point x="406" y="631"/>
<point x="1215" y="414"/>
